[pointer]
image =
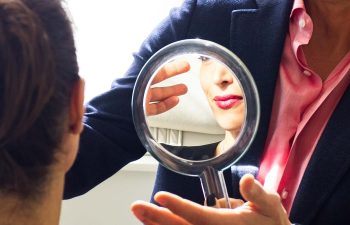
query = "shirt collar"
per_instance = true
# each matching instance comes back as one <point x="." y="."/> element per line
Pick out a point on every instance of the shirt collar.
<point x="297" y="5"/>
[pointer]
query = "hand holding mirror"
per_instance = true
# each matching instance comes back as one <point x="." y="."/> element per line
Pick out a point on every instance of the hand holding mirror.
<point x="196" y="110"/>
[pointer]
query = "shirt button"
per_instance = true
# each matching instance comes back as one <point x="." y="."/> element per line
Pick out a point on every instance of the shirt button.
<point x="307" y="73"/>
<point x="301" y="23"/>
<point x="284" y="194"/>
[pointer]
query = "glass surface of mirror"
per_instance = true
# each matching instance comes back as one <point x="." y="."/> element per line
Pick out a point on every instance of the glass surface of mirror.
<point x="195" y="107"/>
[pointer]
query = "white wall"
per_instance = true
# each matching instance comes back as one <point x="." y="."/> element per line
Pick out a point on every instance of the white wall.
<point x="106" y="33"/>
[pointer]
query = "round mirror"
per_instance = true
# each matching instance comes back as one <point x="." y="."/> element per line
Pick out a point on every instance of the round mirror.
<point x="196" y="109"/>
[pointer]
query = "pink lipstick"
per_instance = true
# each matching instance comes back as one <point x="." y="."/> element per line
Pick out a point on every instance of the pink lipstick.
<point x="227" y="101"/>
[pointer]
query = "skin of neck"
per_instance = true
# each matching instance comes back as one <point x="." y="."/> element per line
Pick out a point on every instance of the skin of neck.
<point x="330" y="17"/>
<point x="42" y="211"/>
<point x="229" y="140"/>
<point x="330" y="40"/>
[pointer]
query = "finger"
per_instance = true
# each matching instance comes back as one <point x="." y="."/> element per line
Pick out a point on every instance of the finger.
<point x="151" y="214"/>
<point x="234" y="203"/>
<point x="163" y="106"/>
<point x="146" y="221"/>
<point x="171" y="69"/>
<point x="160" y="93"/>
<point x="194" y="213"/>
<point x="265" y="202"/>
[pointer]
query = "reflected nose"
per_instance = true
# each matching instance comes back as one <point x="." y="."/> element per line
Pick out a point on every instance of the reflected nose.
<point x="222" y="76"/>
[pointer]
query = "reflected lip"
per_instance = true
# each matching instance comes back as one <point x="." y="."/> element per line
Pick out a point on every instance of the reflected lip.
<point x="227" y="101"/>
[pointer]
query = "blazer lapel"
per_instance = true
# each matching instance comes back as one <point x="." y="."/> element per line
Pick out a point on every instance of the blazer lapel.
<point x="327" y="166"/>
<point x="258" y="32"/>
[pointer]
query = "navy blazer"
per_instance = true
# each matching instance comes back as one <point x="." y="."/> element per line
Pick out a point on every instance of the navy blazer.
<point x="255" y="31"/>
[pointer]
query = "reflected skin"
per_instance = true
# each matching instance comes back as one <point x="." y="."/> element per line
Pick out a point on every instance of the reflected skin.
<point x="262" y="207"/>
<point x="225" y="98"/>
<point x="161" y="99"/>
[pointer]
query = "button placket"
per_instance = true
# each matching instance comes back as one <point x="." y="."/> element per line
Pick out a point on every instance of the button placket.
<point x="307" y="73"/>
<point x="284" y="194"/>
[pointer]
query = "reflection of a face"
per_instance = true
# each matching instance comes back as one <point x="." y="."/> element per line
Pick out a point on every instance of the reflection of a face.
<point x="224" y="94"/>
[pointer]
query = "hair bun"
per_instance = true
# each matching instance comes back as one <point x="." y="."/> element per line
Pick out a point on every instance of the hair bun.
<point x="26" y="69"/>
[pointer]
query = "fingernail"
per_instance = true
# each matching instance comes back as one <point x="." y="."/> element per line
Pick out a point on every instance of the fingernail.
<point x="254" y="187"/>
<point x="158" y="198"/>
<point x="161" y="201"/>
<point x="211" y="200"/>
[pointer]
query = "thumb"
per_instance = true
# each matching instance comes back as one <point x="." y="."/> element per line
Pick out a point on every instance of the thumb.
<point x="263" y="201"/>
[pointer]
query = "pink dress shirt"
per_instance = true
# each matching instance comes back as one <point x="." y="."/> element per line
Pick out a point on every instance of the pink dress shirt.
<point x="303" y="104"/>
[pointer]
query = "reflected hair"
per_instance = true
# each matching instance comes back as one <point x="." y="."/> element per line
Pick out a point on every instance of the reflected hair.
<point x="38" y="69"/>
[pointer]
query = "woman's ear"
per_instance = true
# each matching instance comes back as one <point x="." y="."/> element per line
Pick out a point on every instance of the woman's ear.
<point x="77" y="109"/>
<point x="75" y="126"/>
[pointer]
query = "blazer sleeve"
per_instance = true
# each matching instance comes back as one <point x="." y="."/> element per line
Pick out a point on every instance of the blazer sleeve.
<point x="109" y="140"/>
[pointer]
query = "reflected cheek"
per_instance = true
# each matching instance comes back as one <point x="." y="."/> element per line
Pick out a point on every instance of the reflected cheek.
<point x="206" y="89"/>
<point x="204" y="85"/>
<point x="206" y="79"/>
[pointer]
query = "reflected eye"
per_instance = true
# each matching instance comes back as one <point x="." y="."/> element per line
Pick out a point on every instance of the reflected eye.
<point x="203" y="58"/>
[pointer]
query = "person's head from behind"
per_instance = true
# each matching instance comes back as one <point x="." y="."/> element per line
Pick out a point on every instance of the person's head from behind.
<point x="41" y="98"/>
<point x="224" y="94"/>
